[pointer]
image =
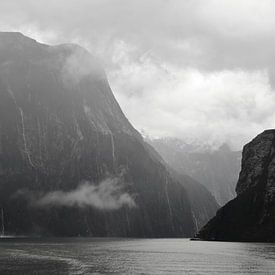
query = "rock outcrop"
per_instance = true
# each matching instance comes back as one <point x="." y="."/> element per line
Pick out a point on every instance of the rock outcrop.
<point x="70" y="162"/>
<point x="251" y="215"/>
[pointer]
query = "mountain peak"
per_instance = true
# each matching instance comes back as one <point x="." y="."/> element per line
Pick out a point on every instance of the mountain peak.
<point x="11" y="34"/>
<point x="62" y="130"/>
<point x="269" y="131"/>
<point x="15" y="37"/>
<point x="250" y="216"/>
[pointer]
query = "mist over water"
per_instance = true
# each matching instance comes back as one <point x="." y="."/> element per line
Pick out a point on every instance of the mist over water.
<point x="134" y="256"/>
<point x="107" y="195"/>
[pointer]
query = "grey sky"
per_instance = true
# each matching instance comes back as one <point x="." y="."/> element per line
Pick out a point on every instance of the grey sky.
<point x="196" y="69"/>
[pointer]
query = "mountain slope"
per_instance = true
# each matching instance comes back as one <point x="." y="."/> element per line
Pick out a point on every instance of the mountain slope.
<point x="70" y="162"/>
<point x="251" y="215"/>
<point x="203" y="204"/>
<point x="217" y="169"/>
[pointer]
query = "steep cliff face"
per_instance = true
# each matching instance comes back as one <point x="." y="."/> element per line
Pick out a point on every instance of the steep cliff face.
<point x="217" y="170"/>
<point x="251" y="216"/>
<point x="70" y="162"/>
<point x="203" y="204"/>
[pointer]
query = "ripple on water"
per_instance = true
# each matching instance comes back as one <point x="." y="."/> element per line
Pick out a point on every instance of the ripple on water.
<point x="134" y="256"/>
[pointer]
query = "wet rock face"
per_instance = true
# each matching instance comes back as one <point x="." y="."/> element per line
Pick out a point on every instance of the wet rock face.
<point x="60" y="126"/>
<point x="251" y="216"/>
<point x="257" y="162"/>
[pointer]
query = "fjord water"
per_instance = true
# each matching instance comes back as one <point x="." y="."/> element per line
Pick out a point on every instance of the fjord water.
<point x="134" y="256"/>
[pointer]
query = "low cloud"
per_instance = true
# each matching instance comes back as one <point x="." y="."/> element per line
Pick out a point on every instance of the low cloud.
<point x="107" y="195"/>
<point x="80" y="64"/>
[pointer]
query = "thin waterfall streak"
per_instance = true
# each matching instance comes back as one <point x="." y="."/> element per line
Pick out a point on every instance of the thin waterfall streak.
<point x="3" y="222"/>
<point x="167" y="197"/>
<point x="24" y="137"/>
<point x="26" y="150"/>
<point x="196" y="222"/>
<point x="113" y="148"/>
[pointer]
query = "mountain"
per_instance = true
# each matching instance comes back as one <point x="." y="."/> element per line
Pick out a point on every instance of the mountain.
<point x="203" y="204"/>
<point x="71" y="164"/>
<point x="251" y="215"/>
<point x="217" y="169"/>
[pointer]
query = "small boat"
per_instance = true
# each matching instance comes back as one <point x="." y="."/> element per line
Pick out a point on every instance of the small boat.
<point x="195" y="239"/>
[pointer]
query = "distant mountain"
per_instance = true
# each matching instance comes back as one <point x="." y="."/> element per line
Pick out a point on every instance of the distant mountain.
<point x="217" y="170"/>
<point x="71" y="164"/>
<point x="251" y="215"/>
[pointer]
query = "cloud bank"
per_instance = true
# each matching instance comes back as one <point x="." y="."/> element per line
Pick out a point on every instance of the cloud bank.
<point x="183" y="68"/>
<point x="107" y="195"/>
<point x="210" y="108"/>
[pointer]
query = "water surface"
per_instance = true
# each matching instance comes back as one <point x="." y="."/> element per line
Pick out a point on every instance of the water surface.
<point x="134" y="256"/>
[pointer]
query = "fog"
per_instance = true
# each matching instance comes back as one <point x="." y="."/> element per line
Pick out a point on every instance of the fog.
<point x="79" y="64"/>
<point x="106" y="195"/>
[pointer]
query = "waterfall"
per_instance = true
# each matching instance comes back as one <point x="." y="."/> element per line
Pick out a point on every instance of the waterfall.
<point x="26" y="149"/>
<point x="3" y="223"/>
<point x="113" y="147"/>
<point x="168" y="202"/>
<point x="167" y="197"/>
<point x="196" y="222"/>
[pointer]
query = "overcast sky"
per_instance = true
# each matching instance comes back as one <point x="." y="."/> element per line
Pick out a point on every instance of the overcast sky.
<point x="194" y="69"/>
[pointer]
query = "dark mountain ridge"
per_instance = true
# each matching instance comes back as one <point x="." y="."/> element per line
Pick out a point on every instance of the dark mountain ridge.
<point x="251" y="215"/>
<point x="62" y="130"/>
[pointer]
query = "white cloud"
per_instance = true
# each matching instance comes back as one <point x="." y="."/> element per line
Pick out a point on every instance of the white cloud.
<point x="212" y="107"/>
<point x="178" y="67"/>
<point x="107" y="195"/>
<point x="238" y="19"/>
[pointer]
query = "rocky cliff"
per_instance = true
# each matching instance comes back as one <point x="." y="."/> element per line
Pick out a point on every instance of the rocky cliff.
<point x="70" y="162"/>
<point x="250" y="216"/>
